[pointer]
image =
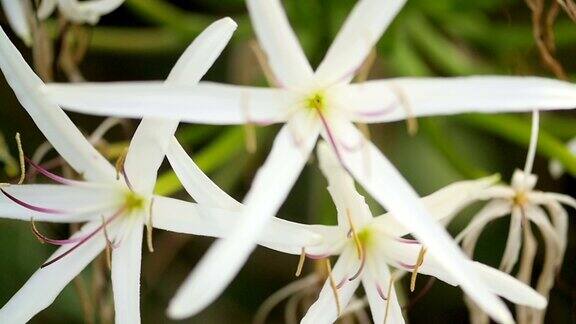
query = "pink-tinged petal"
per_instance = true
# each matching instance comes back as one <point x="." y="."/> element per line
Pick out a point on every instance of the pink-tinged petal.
<point x="360" y="32"/>
<point x="45" y="285"/>
<point x="210" y="277"/>
<point x="50" y="119"/>
<point x="283" y="51"/>
<point x="419" y="97"/>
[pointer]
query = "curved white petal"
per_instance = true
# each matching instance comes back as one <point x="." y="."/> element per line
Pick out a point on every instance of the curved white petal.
<point x="494" y="209"/>
<point x="126" y="259"/>
<point x="325" y="310"/>
<point x="87" y="11"/>
<point x="205" y="103"/>
<point x="391" y="190"/>
<point x="378" y="277"/>
<point x="400" y="98"/>
<point x="196" y="183"/>
<point x="284" y="53"/>
<point x="57" y="203"/>
<point x="16" y="12"/>
<point x="52" y="121"/>
<point x="210" y="277"/>
<point x="513" y="242"/>
<point x="360" y="32"/>
<point x="443" y="204"/>
<point x="46" y="283"/>
<point x="146" y="153"/>
<point x="46" y="8"/>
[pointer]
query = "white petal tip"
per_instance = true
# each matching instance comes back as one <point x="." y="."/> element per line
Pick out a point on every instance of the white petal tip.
<point x="230" y="22"/>
<point x="177" y="310"/>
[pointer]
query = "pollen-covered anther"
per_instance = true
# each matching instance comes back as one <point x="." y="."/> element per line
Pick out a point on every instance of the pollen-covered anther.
<point x="417" y="266"/>
<point x="150" y="227"/>
<point x="301" y="262"/>
<point x="334" y="286"/>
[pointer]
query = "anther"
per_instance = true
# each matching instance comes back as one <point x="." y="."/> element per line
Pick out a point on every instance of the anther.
<point x="301" y="262"/>
<point x="354" y="234"/>
<point x="417" y="266"/>
<point x="389" y="292"/>
<point x="150" y="228"/>
<point x="411" y="121"/>
<point x="333" y="286"/>
<point x="21" y="159"/>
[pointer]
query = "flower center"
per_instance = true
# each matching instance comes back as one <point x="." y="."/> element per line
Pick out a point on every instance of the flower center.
<point x="317" y="102"/>
<point x="520" y="198"/>
<point x="133" y="202"/>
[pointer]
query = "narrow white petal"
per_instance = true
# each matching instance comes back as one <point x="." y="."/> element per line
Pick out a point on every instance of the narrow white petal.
<point x="494" y="209"/>
<point x="45" y="285"/>
<point x="206" y="103"/>
<point x="443" y="204"/>
<point x="284" y="53"/>
<point x="146" y="152"/>
<point x="126" y="259"/>
<point x="16" y="12"/>
<point x="52" y="121"/>
<point x="56" y="203"/>
<point x="559" y="217"/>
<point x="509" y="287"/>
<point x="87" y="11"/>
<point x="360" y="32"/>
<point x="324" y="310"/>
<point x="225" y="258"/>
<point x="378" y="277"/>
<point x="399" y="98"/>
<point x="46" y="8"/>
<point x="513" y="242"/>
<point x="202" y="53"/>
<point x="391" y="190"/>
<point x="196" y="183"/>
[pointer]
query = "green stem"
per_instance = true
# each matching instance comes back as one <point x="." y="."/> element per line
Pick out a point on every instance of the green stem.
<point x="515" y="130"/>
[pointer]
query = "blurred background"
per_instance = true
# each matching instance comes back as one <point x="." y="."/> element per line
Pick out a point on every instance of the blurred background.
<point x="143" y="39"/>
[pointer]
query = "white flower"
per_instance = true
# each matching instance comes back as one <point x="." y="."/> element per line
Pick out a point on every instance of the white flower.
<point x="368" y="246"/>
<point x="525" y="206"/>
<point x="87" y="11"/>
<point x="17" y="13"/>
<point x="319" y="103"/>
<point x="115" y="209"/>
<point x="556" y="168"/>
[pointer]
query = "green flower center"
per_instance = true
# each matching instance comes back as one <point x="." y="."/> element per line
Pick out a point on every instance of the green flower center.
<point x="134" y="202"/>
<point x="316" y="101"/>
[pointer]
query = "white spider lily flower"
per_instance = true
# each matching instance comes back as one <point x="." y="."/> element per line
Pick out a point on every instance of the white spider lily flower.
<point x="319" y="103"/>
<point x="88" y="11"/>
<point x="115" y="209"/>
<point x="556" y="168"/>
<point x="17" y="13"/>
<point x="368" y="246"/>
<point x="525" y="206"/>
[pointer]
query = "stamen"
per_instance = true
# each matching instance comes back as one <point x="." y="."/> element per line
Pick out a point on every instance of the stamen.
<point x="331" y="139"/>
<point x="411" y="121"/>
<point x="120" y="170"/>
<point x="419" y="263"/>
<point x="333" y="286"/>
<point x="249" y="129"/>
<point x="389" y="292"/>
<point x="301" y="262"/>
<point x="21" y="159"/>
<point x="32" y="207"/>
<point x="86" y="238"/>
<point x="150" y="228"/>
<point x="380" y="292"/>
<point x="51" y="175"/>
<point x="263" y="62"/>
<point x="44" y="239"/>
<point x="109" y="245"/>
<point x="352" y="231"/>
<point x="359" y="271"/>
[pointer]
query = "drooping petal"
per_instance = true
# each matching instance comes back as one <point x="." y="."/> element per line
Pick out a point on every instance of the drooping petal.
<point x="126" y="259"/>
<point x="559" y="217"/>
<point x="419" y="97"/>
<point x="391" y="190"/>
<point x="284" y="53"/>
<point x="513" y="242"/>
<point x="325" y="309"/>
<point x="196" y="183"/>
<point x="493" y="210"/>
<point x="210" y="277"/>
<point x="375" y="282"/>
<point x="16" y="12"/>
<point x="146" y="152"/>
<point x="45" y="285"/>
<point x="360" y="32"/>
<point x="52" y="121"/>
<point x="56" y="203"/>
<point x="205" y="103"/>
<point x="197" y="219"/>
<point x="442" y="204"/>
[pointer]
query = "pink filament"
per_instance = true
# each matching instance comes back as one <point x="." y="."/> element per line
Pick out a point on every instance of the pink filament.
<point x="380" y="292"/>
<point x="362" y="263"/>
<point x="342" y="283"/>
<point x="84" y="239"/>
<point x="332" y="140"/>
<point x="46" y="239"/>
<point x="32" y="207"/>
<point x="51" y="175"/>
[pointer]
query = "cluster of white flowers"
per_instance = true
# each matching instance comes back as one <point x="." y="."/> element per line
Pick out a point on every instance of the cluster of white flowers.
<point x="117" y="205"/>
